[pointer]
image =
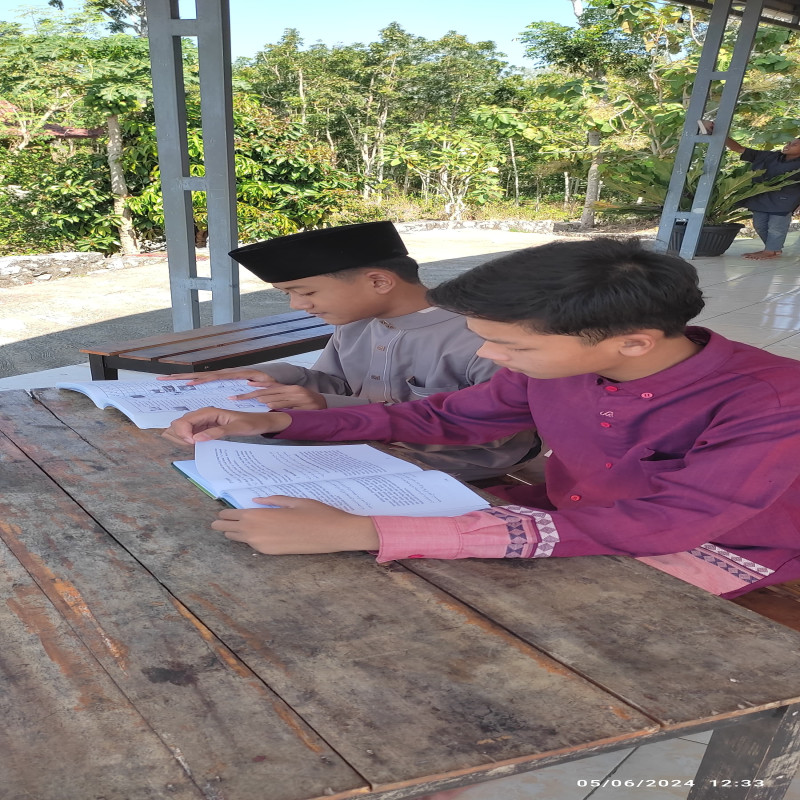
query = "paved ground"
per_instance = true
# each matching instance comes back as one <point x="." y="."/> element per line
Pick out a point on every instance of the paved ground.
<point x="44" y="325"/>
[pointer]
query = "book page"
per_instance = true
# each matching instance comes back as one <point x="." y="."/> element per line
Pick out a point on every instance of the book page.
<point x="227" y="465"/>
<point x="417" y="494"/>
<point x="166" y="400"/>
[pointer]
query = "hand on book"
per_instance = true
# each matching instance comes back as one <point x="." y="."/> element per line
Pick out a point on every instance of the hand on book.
<point x="230" y="374"/>
<point x="279" y="395"/>
<point x="297" y="526"/>
<point x="206" y="424"/>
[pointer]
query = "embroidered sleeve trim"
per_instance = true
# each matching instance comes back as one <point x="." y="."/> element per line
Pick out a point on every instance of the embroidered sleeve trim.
<point x="545" y="528"/>
<point x="737" y="565"/>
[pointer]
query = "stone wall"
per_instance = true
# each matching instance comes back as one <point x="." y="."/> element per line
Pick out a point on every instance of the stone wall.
<point x="516" y="225"/>
<point x="21" y="270"/>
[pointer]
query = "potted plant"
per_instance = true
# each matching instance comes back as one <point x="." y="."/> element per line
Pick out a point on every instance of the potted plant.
<point x="649" y="179"/>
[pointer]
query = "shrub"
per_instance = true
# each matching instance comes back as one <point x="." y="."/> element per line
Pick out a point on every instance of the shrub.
<point x="48" y="205"/>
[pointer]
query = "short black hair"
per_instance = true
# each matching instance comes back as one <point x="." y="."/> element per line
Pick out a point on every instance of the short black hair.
<point x="595" y="289"/>
<point x="403" y="266"/>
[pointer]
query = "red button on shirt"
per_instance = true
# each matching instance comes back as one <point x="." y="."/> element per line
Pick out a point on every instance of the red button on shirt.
<point x="612" y="388"/>
<point x="646" y="395"/>
<point x="575" y="497"/>
<point x="609" y="465"/>
<point x="605" y="424"/>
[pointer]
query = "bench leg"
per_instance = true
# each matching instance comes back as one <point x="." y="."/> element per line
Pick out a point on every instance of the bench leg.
<point x="101" y="372"/>
<point x="751" y="760"/>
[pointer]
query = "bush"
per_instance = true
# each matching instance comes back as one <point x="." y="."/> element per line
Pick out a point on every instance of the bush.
<point x="47" y="205"/>
<point x="527" y="210"/>
<point x="394" y="206"/>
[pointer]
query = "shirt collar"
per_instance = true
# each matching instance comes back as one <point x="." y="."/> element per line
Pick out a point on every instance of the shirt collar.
<point x="716" y="351"/>
<point x="417" y="319"/>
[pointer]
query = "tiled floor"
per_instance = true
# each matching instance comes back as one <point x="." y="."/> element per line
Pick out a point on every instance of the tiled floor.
<point x="753" y="301"/>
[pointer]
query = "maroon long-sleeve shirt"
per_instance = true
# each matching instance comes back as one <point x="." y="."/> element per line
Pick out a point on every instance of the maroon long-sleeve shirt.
<point x="695" y="470"/>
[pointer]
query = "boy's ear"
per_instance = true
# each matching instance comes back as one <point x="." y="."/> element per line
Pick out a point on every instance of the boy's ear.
<point x="382" y="281"/>
<point x="638" y="343"/>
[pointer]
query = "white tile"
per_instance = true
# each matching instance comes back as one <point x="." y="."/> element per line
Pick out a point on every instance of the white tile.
<point x="700" y="738"/>
<point x="669" y="762"/>
<point x="560" y="782"/>
<point x="672" y="762"/>
<point x="784" y="350"/>
<point x="758" y="337"/>
<point x="762" y="316"/>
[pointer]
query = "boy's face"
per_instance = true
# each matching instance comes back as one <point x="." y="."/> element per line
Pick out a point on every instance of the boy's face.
<point x="336" y="300"/>
<point x="540" y="355"/>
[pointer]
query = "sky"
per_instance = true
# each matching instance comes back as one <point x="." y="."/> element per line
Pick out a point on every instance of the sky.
<point x="255" y="23"/>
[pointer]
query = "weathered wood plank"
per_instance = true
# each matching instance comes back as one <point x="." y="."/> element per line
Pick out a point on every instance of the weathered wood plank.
<point x="67" y="731"/>
<point x="230" y="732"/>
<point x="400" y="679"/>
<point x="618" y="620"/>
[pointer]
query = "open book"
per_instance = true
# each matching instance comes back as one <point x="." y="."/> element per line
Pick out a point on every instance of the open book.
<point x="353" y="477"/>
<point x="155" y="404"/>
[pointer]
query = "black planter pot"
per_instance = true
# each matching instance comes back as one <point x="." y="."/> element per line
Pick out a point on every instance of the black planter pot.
<point x="714" y="239"/>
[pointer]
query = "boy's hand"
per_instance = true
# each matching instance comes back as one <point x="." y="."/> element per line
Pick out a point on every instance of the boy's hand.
<point x="230" y="374"/>
<point x="206" y="424"/>
<point x="279" y="395"/>
<point x="297" y="526"/>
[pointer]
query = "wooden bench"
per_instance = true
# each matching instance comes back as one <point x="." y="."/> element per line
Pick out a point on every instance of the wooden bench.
<point x="234" y="344"/>
<point x="780" y="603"/>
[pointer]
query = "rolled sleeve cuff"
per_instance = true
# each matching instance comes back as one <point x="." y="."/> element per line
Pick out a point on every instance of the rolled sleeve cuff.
<point x="417" y="537"/>
<point x="494" y="533"/>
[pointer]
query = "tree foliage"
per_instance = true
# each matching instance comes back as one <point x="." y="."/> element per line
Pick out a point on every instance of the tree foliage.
<point x="402" y="125"/>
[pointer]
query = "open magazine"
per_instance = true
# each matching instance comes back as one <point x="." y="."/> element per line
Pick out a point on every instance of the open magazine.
<point x="155" y="404"/>
<point x="352" y="477"/>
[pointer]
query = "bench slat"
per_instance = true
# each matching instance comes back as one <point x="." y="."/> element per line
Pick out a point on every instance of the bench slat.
<point x="114" y="348"/>
<point x="233" y="344"/>
<point x="264" y="346"/>
<point x="241" y="340"/>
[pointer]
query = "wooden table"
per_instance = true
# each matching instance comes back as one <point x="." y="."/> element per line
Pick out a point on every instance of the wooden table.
<point x="233" y="344"/>
<point x="145" y="656"/>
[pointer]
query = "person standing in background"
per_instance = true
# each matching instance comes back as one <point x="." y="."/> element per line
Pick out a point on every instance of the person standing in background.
<point x="772" y="211"/>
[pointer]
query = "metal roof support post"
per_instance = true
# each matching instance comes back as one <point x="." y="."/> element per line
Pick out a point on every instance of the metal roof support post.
<point x="733" y="78"/>
<point x="212" y="30"/>
<point x="216" y="106"/>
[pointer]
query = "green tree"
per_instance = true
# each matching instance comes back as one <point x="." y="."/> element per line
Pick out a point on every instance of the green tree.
<point x="42" y="86"/>
<point x="510" y="124"/>
<point x="594" y="50"/>
<point x="117" y="82"/>
<point x="357" y="97"/>
<point x="285" y="181"/>
<point x="123" y="16"/>
<point x="55" y="199"/>
<point x="460" y="167"/>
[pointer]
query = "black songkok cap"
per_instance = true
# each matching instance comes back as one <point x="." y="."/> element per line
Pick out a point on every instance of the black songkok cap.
<point x="321" y="251"/>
